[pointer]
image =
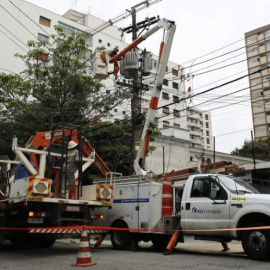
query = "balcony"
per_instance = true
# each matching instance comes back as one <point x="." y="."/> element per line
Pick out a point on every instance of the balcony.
<point x="194" y="124"/>
<point x="194" y="116"/>
<point x="196" y="132"/>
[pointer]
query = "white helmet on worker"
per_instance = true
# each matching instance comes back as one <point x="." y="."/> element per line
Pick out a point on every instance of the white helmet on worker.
<point x="72" y="144"/>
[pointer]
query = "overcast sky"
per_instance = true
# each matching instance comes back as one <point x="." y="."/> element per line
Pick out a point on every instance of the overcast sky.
<point x="211" y="27"/>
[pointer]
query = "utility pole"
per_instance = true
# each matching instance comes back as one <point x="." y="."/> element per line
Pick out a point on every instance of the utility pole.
<point x="136" y="116"/>
<point x="135" y="100"/>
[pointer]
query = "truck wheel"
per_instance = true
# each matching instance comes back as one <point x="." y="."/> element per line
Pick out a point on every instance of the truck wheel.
<point x="256" y="243"/>
<point x="20" y="240"/>
<point x="160" y="242"/>
<point x="43" y="241"/>
<point x="120" y="239"/>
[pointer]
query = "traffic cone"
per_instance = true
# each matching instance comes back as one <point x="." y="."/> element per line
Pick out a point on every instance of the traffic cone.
<point x="84" y="255"/>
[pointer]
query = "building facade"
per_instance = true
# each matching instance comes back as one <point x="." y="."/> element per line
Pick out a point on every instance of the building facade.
<point x="258" y="58"/>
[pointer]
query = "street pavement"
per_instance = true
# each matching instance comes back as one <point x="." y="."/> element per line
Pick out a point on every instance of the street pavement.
<point x="192" y="255"/>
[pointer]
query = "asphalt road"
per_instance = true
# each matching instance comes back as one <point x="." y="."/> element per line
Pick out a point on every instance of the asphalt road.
<point x="192" y="255"/>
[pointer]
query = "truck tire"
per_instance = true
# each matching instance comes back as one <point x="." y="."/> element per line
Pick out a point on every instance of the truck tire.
<point x="256" y="243"/>
<point x="37" y="241"/>
<point x="160" y="242"/>
<point x="43" y="241"/>
<point x="20" y="240"/>
<point x="120" y="239"/>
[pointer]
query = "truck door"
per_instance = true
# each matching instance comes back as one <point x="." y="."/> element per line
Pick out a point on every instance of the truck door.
<point x="205" y="207"/>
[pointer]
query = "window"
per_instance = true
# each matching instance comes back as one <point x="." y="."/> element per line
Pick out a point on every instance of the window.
<point x="166" y="124"/>
<point x="252" y="50"/>
<point x="124" y="112"/>
<point x="69" y="30"/>
<point x="175" y="85"/>
<point x="165" y="82"/>
<point x="267" y="33"/>
<point x="206" y="124"/>
<point x="256" y="82"/>
<point x="207" y="187"/>
<point x="259" y="118"/>
<point x="177" y="126"/>
<point x="206" y="117"/>
<point x="44" y="21"/>
<point x="256" y="94"/>
<point x="43" y="38"/>
<point x="267" y="43"/>
<point x="109" y="44"/>
<point x="175" y="99"/>
<point x="261" y="131"/>
<point x="254" y="61"/>
<point x="167" y="68"/>
<point x="191" y="158"/>
<point x="208" y="141"/>
<point x="254" y="69"/>
<point x="266" y="78"/>
<point x="207" y="132"/>
<point x="174" y="72"/>
<point x="165" y="96"/>
<point x="115" y="110"/>
<point x="166" y="110"/>
<point x="176" y="113"/>
<point x="155" y="64"/>
<point x="100" y="41"/>
<point x="251" y="39"/>
<point x="268" y="56"/>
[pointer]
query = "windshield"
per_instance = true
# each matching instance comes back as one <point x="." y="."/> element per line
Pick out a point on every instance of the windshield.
<point x="237" y="185"/>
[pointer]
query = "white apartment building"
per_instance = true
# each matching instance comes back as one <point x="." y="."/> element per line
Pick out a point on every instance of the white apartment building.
<point x="24" y="21"/>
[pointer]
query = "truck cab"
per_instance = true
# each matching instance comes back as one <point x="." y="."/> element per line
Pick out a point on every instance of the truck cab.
<point x="218" y="207"/>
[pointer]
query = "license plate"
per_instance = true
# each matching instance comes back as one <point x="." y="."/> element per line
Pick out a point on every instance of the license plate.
<point x="35" y="220"/>
<point x="35" y="199"/>
<point x="73" y="208"/>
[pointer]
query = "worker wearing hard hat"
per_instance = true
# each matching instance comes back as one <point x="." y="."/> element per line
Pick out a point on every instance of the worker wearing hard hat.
<point x="70" y="166"/>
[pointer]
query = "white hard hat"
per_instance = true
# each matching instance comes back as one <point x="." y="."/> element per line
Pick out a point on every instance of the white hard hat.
<point x="72" y="144"/>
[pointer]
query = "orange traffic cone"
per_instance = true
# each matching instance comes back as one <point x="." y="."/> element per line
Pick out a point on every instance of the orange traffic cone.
<point x="84" y="255"/>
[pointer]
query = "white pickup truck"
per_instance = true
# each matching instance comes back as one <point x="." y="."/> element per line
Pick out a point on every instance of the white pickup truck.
<point x="212" y="207"/>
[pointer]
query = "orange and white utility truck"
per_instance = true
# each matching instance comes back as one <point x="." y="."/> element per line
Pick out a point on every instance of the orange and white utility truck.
<point x="33" y="210"/>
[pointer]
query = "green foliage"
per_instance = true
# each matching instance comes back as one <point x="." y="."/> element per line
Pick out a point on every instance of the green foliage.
<point x="261" y="149"/>
<point x="112" y="142"/>
<point x="57" y="75"/>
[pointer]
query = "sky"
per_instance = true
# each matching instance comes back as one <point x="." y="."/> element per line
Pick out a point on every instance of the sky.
<point x="205" y="29"/>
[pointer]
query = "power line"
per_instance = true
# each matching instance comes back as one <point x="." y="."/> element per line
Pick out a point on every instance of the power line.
<point x="29" y="18"/>
<point x="19" y="22"/>
<point x="8" y="70"/>
<point x="212" y="101"/>
<point x="232" y="132"/>
<point x="12" y="40"/>
<point x="232" y="64"/>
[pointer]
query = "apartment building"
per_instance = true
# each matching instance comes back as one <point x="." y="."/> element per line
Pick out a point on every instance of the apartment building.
<point x="200" y="128"/>
<point x="258" y="57"/>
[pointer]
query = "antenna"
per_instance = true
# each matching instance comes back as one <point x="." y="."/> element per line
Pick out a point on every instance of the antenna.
<point x="74" y="4"/>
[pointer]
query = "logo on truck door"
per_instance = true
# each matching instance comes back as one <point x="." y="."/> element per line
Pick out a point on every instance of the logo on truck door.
<point x="206" y="211"/>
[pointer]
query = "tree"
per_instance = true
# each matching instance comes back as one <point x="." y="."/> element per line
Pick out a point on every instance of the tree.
<point x="57" y="75"/>
<point x="261" y="149"/>
<point x="113" y="143"/>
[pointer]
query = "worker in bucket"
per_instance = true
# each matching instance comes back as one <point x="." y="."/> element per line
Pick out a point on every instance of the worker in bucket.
<point x="70" y="166"/>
